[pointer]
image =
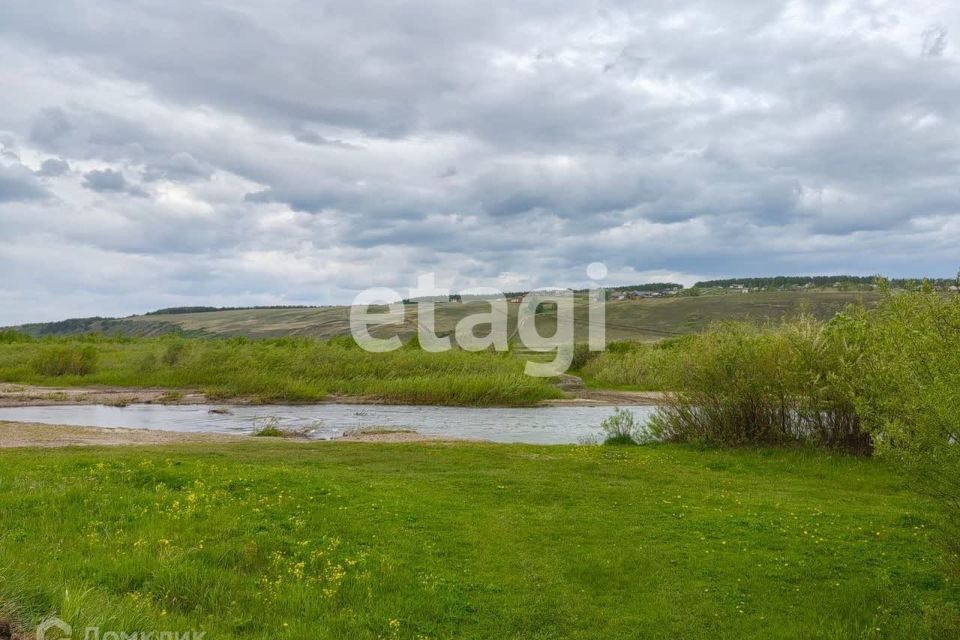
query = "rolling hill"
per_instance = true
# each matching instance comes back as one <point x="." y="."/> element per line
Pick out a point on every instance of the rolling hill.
<point x="632" y="319"/>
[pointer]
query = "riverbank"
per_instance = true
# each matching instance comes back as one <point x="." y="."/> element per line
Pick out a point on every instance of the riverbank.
<point x="325" y="421"/>
<point x="17" y="435"/>
<point x="266" y="538"/>
<point x="287" y="370"/>
<point x="19" y="395"/>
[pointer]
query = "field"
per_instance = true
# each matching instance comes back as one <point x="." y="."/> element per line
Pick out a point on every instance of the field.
<point x="285" y="540"/>
<point x="626" y="320"/>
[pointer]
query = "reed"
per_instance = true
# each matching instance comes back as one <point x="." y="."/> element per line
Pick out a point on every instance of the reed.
<point x="285" y="369"/>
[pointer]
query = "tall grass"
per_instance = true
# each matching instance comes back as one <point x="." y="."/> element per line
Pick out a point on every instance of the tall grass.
<point x="285" y="369"/>
<point x="648" y="366"/>
<point x="70" y="360"/>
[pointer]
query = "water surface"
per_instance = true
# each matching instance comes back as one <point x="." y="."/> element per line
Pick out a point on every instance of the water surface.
<point x="535" y="425"/>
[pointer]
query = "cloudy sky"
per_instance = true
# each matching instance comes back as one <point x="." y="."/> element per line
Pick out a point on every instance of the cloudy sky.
<point x="172" y="152"/>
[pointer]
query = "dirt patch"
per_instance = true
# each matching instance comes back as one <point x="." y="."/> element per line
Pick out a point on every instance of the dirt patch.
<point x="25" y="434"/>
<point x="16" y="395"/>
<point x="603" y="397"/>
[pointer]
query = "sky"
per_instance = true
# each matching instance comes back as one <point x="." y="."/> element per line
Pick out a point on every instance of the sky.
<point x="158" y="153"/>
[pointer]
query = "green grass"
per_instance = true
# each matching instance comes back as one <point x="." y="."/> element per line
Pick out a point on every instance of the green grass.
<point x="278" y="370"/>
<point x="639" y="366"/>
<point x="282" y="540"/>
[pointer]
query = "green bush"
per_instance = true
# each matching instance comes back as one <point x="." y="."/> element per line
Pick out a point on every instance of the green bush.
<point x="66" y="361"/>
<point x="907" y="390"/>
<point x="744" y="385"/>
<point x="888" y="377"/>
<point x="622" y="429"/>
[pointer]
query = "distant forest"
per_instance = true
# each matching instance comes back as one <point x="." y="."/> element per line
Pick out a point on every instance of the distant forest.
<point x="182" y="310"/>
<point x="822" y="281"/>
<point x="650" y="286"/>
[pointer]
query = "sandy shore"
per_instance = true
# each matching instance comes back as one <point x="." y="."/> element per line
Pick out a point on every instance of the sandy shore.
<point x="603" y="397"/>
<point x="16" y="395"/>
<point x="26" y="434"/>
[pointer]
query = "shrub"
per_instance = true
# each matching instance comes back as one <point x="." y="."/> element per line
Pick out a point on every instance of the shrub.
<point x="271" y="428"/>
<point x="907" y="389"/>
<point x="745" y="385"/>
<point x="66" y="361"/>
<point x="622" y="428"/>
<point x="269" y="431"/>
<point x="888" y="376"/>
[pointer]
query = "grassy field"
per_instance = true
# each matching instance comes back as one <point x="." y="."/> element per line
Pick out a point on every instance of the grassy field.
<point x="284" y="540"/>
<point x="626" y="320"/>
<point x="274" y="370"/>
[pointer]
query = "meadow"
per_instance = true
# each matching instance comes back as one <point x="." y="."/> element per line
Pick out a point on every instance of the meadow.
<point x="273" y="370"/>
<point x="806" y="484"/>
<point x="337" y="540"/>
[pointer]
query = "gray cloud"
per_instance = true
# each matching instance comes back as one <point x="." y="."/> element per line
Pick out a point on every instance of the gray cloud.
<point x="180" y="166"/>
<point x="18" y="184"/>
<point x="934" y="41"/>
<point x="50" y="124"/>
<point x="110" y="181"/>
<point x="295" y="155"/>
<point x="52" y="167"/>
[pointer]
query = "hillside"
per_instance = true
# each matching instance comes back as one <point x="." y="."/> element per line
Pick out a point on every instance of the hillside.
<point x="632" y="319"/>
